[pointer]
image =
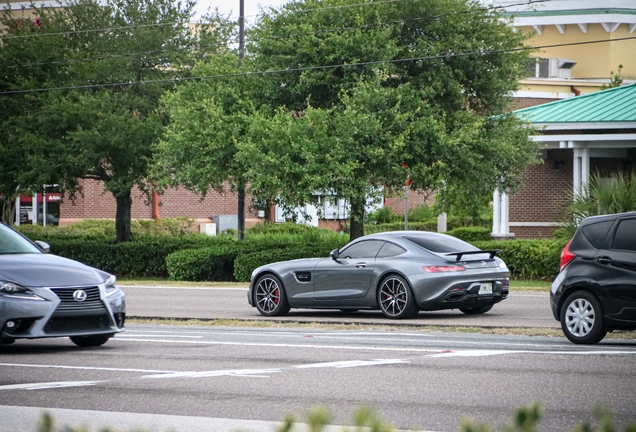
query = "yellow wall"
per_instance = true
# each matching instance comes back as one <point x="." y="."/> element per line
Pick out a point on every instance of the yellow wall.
<point x="593" y="60"/>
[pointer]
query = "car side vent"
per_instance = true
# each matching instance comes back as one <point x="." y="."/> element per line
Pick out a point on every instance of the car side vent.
<point x="303" y="276"/>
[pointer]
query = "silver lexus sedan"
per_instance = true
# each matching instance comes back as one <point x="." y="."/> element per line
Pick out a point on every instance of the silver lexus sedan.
<point x="399" y="272"/>
<point x="43" y="295"/>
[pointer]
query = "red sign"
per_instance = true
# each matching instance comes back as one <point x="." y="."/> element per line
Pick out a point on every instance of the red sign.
<point x="51" y="197"/>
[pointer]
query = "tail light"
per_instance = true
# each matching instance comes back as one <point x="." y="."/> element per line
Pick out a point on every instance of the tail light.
<point x="566" y="256"/>
<point x="443" y="269"/>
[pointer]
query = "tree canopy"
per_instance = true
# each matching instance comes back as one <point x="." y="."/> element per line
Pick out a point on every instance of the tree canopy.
<point x="421" y="84"/>
<point x="110" y="64"/>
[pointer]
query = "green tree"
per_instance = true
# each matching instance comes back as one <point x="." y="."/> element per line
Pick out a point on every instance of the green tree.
<point x="343" y="130"/>
<point x="113" y="64"/>
<point x="28" y="61"/>
<point x="208" y="119"/>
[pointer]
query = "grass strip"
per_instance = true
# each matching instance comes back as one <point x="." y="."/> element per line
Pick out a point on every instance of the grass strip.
<point x="303" y="324"/>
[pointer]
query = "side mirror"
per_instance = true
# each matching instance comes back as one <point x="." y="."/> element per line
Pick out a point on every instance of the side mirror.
<point x="44" y="247"/>
<point x="334" y="254"/>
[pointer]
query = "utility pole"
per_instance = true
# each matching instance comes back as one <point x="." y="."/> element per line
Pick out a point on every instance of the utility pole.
<point x="241" y="181"/>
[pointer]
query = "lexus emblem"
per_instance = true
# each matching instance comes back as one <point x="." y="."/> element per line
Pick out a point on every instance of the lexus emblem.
<point x="80" y="295"/>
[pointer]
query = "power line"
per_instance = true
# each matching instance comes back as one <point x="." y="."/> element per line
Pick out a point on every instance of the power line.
<point x="269" y="38"/>
<point x="306" y="10"/>
<point x="310" y="68"/>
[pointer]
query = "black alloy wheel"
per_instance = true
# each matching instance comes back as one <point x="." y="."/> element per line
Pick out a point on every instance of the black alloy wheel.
<point x="582" y="318"/>
<point x="396" y="298"/>
<point x="270" y="297"/>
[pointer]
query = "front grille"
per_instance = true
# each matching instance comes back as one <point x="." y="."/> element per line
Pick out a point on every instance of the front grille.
<point x="79" y="323"/>
<point x="70" y="306"/>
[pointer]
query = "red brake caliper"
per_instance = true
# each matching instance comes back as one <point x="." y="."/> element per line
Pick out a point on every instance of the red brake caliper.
<point x="276" y="296"/>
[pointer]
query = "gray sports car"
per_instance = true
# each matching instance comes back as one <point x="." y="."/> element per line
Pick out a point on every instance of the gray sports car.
<point x="43" y="295"/>
<point x="399" y="272"/>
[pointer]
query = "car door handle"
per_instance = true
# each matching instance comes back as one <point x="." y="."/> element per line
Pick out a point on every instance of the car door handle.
<point x="604" y="260"/>
<point x="361" y="265"/>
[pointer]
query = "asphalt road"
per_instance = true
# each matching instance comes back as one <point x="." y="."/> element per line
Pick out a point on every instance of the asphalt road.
<point x="523" y="309"/>
<point x="220" y="379"/>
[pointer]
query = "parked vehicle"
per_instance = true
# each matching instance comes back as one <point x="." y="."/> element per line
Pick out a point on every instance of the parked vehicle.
<point x="399" y="272"/>
<point x="43" y="295"/>
<point x="595" y="291"/>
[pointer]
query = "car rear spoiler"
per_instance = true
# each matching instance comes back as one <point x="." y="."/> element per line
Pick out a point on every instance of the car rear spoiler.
<point x="458" y="255"/>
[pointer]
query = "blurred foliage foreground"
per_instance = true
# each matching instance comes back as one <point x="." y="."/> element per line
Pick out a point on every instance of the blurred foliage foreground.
<point x="525" y="419"/>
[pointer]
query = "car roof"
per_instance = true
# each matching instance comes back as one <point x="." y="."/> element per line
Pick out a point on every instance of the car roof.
<point x="406" y="233"/>
<point x="609" y="217"/>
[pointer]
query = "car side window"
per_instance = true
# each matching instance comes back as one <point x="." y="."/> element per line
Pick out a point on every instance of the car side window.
<point x="625" y="235"/>
<point x="390" y="250"/>
<point x="363" y="249"/>
<point x="596" y="233"/>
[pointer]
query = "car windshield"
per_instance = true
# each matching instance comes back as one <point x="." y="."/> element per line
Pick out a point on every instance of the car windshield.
<point x="13" y="243"/>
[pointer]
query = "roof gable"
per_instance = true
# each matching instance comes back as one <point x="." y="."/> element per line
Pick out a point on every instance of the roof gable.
<point x="607" y="106"/>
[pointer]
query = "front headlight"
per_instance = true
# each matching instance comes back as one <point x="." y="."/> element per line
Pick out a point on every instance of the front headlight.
<point x="111" y="288"/>
<point x="14" y="290"/>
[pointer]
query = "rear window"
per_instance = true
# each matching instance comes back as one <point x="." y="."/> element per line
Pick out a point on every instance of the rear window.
<point x="441" y="244"/>
<point x="597" y="233"/>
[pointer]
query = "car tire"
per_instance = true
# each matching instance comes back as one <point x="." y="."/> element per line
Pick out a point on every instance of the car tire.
<point x="396" y="299"/>
<point x="582" y="318"/>
<point x="90" y="341"/>
<point x="477" y="310"/>
<point x="270" y="297"/>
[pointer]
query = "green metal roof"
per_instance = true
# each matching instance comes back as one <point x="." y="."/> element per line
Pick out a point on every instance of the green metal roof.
<point x="613" y="105"/>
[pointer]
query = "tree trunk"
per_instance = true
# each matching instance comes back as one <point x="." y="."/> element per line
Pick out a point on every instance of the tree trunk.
<point x="241" y="210"/>
<point x="123" y="217"/>
<point x="8" y="211"/>
<point x="356" y="228"/>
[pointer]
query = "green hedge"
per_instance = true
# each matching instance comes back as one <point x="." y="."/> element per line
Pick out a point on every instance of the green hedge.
<point x="226" y="263"/>
<point x="198" y="257"/>
<point x="471" y="234"/>
<point x="142" y="257"/>
<point x="205" y="264"/>
<point x="528" y="259"/>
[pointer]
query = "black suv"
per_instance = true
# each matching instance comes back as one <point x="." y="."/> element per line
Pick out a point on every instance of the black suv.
<point x="595" y="291"/>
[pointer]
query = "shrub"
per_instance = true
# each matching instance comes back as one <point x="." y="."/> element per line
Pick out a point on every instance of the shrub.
<point x="106" y="227"/>
<point x="470" y="234"/>
<point x="382" y="215"/>
<point x="143" y="257"/>
<point x="528" y="259"/>
<point x="205" y="264"/>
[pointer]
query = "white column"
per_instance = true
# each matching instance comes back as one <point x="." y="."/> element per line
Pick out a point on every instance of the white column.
<point x="17" y="210"/>
<point x="581" y="172"/>
<point x="576" y="173"/>
<point x="585" y="168"/>
<point x="496" y="212"/>
<point x="505" y="226"/>
<point x="34" y="206"/>
<point x="44" y="208"/>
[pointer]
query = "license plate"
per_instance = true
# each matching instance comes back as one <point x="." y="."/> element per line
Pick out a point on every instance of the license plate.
<point x="485" y="288"/>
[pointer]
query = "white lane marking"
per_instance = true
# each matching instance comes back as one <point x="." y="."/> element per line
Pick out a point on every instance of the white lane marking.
<point x="183" y="288"/>
<point x="260" y="373"/>
<point x="474" y="353"/>
<point x="154" y="335"/>
<point x="84" y="368"/>
<point x="49" y="385"/>
<point x="444" y="342"/>
<point x="275" y="345"/>
<point x="353" y="363"/>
